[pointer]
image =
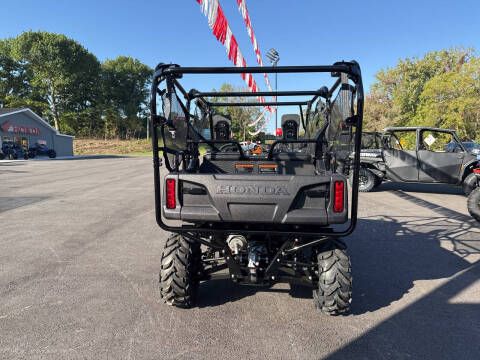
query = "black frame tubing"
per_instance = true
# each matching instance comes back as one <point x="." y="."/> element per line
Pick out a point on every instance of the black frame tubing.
<point x="197" y="94"/>
<point x="352" y="69"/>
<point x="266" y="103"/>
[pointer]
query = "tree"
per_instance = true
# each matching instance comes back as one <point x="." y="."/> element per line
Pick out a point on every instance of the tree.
<point x="12" y="73"/>
<point x="62" y="72"/>
<point x="241" y="116"/>
<point x="395" y="97"/>
<point x="452" y="100"/>
<point x="125" y="87"/>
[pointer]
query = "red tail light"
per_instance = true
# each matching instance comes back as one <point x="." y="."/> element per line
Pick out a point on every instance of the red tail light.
<point x="339" y="197"/>
<point x="476" y="171"/>
<point x="171" y="195"/>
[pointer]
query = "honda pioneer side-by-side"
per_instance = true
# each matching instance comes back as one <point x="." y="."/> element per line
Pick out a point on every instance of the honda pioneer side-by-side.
<point x="257" y="217"/>
<point x="417" y="155"/>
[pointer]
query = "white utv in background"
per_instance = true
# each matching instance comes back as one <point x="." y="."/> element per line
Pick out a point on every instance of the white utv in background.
<point x="418" y="155"/>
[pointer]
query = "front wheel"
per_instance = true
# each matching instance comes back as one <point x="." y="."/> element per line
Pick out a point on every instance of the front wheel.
<point x="469" y="183"/>
<point x="473" y="204"/>
<point x="334" y="293"/>
<point x="179" y="272"/>
<point x="52" y="154"/>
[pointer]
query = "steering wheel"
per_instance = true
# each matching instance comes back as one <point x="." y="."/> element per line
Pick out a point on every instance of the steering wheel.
<point x="228" y="148"/>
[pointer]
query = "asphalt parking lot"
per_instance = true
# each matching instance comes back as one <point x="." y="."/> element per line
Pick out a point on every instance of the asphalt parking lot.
<point x="80" y="253"/>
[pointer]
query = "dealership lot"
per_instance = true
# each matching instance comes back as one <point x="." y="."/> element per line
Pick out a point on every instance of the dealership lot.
<point x="80" y="250"/>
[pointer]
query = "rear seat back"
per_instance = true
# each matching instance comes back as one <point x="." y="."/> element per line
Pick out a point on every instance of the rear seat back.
<point x="219" y="162"/>
<point x="287" y="163"/>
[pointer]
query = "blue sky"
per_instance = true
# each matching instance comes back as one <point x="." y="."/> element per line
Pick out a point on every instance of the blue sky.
<point x="375" y="33"/>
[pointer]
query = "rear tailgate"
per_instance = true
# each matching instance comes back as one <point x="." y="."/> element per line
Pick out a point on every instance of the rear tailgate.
<point x="281" y="199"/>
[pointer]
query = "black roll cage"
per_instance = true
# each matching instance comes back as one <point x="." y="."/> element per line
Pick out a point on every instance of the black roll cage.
<point x="172" y="72"/>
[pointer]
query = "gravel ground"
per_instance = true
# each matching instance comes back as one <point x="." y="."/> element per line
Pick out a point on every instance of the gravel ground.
<point x="80" y="253"/>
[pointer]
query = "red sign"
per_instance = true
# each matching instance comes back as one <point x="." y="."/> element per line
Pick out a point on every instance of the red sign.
<point x="279" y="132"/>
<point x="19" y="129"/>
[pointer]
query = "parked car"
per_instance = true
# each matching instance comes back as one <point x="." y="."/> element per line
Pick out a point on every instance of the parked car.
<point x="13" y="151"/>
<point x="8" y="150"/>
<point x="22" y="152"/>
<point x="470" y="146"/>
<point x="418" y="155"/>
<point x="41" y="150"/>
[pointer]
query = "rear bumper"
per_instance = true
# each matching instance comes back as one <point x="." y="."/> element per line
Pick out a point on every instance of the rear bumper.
<point x="277" y="199"/>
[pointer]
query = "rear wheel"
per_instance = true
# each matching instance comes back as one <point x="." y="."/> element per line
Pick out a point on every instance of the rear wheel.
<point x="52" y="154"/>
<point x="366" y="180"/>
<point x="469" y="183"/>
<point x="473" y="204"/>
<point x="334" y="293"/>
<point x="179" y="272"/>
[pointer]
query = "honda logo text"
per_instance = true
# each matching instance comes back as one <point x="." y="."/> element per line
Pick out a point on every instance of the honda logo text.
<point x="252" y="189"/>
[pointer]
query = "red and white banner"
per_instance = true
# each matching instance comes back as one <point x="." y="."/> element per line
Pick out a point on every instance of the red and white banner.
<point x="222" y="31"/>
<point x="242" y="7"/>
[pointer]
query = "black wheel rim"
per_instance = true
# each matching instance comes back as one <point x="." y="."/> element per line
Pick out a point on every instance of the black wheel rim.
<point x="362" y="178"/>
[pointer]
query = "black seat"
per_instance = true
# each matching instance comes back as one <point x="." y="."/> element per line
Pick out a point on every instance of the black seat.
<point x="219" y="162"/>
<point x="222" y="156"/>
<point x="292" y="156"/>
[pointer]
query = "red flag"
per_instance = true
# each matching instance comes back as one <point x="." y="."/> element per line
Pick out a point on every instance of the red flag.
<point x="232" y="52"/>
<point x="220" y="26"/>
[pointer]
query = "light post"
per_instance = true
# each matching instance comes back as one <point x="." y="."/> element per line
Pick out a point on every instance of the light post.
<point x="274" y="57"/>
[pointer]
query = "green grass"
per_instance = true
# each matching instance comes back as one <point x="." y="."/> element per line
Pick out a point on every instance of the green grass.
<point x="140" y="147"/>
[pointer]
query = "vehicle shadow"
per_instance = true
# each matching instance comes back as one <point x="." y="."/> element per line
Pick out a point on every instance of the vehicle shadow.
<point x="85" y="157"/>
<point x="437" y="326"/>
<point x="421" y="188"/>
<point x="399" y="251"/>
<point x="8" y="163"/>
<point x="221" y="291"/>
<point x="394" y="256"/>
<point x="388" y="256"/>
<point x="10" y="203"/>
<point x="443" y="322"/>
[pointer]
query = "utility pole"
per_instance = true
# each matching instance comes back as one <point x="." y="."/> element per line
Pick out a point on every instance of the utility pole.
<point x="274" y="57"/>
<point x="148" y="127"/>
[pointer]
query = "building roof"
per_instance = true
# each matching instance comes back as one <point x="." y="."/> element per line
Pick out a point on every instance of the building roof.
<point x="7" y="111"/>
<point x="4" y="111"/>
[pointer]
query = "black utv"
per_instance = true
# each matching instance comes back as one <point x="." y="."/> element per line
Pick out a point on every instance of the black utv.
<point x="257" y="218"/>
<point x="417" y="155"/>
<point x="13" y="151"/>
<point x="41" y="150"/>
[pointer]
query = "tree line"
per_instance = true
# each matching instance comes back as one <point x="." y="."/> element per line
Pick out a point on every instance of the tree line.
<point x="246" y="121"/>
<point x="68" y="86"/>
<point x="441" y="89"/>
